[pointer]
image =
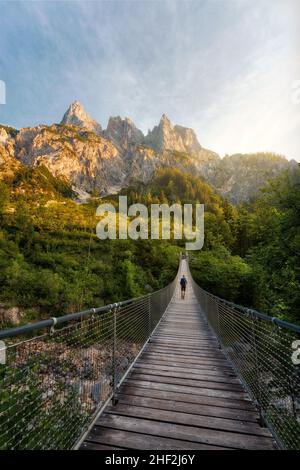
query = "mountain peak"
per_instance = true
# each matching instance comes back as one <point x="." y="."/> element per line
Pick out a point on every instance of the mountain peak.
<point x="75" y="109"/>
<point x="165" y="120"/>
<point x="165" y="136"/>
<point x="123" y="132"/>
<point x="76" y="104"/>
<point x="77" y="116"/>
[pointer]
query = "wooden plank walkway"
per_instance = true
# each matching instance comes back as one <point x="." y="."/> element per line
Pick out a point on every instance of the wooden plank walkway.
<point x="182" y="393"/>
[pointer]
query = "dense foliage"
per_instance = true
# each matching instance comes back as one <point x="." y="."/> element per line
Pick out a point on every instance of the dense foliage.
<point x="51" y="261"/>
<point x="273" y="238"/>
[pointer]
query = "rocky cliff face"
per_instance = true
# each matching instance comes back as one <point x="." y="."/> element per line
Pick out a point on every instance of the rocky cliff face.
<point x="239" y="177"/>
<point x="3" y="136"/>
<point x="123" y="133"/>
<point x="188" y="139"/>
<point x="90" y="162"/>
<point x="92" y="159"/>
<point x="8" y="163"/>
<point x="165" y="136"/>
<point x="178" y="146"/>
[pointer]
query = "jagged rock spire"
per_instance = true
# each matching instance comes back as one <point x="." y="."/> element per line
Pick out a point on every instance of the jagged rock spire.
<point x="77" y="116"/>
<point x="123" y="132"/>
<point x="165" y="136"/>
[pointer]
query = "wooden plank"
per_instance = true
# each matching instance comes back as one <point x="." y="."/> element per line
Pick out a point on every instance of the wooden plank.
<point x="201" y="370"/>
<point x="184" y="359"/>
<point x="194" y="366"/>
<point x="182" y="328"/>
<point x="194" y="334"/>
<point x="187" y="397"/>
<point x="199" y="344"/>
<point x="187" y="433"/>
<point x="188" y="382"/>
<point x="169" y="329"/>
<point x="202" y="421"/>
<point x="174" y="321"/>
<point x="186" y="338"/>
<point x="192" y="408"/>
<point x="189" y="390"/>
<point x="169" y="323"/>
<point x="178" y="336"/>
<point x="159" y="372"/>
<point x="177" y="348"/>
<point x="199" y="358"/>
<point x="208" y="354"/>
<point x="170" y="353"/>
<point x="133" y="440"/>
<point x="204" y="342"/>
<point x="178" y="345"/>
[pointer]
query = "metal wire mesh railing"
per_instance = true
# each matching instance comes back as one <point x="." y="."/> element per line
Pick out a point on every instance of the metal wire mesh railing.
<point x="59" y="373"/>
<point x="263" y="352"/>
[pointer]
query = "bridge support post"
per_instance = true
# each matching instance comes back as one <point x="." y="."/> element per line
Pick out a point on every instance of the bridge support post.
<point x="114" y="358"/>
<point x="258" y="398"/>
<point x="219" y="336"/>
<point x="149" y="315"/>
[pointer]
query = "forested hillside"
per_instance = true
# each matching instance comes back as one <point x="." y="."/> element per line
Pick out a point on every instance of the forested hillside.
<point x="51" y="261"/>
<point x="261" y="267"/>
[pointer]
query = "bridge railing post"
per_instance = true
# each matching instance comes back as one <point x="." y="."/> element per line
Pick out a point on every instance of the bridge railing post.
<point x="149" y="315"/>
<point x="258" y="394"/>
<point x="114" y="355"/>
<point x="219" y="334"/>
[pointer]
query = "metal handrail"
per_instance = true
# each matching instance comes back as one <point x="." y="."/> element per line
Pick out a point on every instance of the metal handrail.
<point x="53" y="321"/>
<point x="255" y="313"/>
<point x="251" y="311"/>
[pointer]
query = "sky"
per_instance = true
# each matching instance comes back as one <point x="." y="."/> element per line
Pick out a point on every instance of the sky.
<point x="229" y="69"/>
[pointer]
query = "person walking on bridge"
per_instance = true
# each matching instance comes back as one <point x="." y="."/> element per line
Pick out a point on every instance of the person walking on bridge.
<point x="183" y="283"/>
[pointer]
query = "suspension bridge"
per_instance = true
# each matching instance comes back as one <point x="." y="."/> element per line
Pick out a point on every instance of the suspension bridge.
<point x="156" y="372"/>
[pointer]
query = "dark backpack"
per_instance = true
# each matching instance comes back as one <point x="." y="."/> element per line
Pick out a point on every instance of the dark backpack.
<point x="183" y="281"/>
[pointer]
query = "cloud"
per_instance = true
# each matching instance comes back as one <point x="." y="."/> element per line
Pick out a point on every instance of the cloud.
<point x="255" y="111"/>
<point x="223" y="68"/>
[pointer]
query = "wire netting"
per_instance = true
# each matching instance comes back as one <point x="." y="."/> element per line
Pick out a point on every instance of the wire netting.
<point x="262" y="354"/>
<point x="54" y="383"/>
